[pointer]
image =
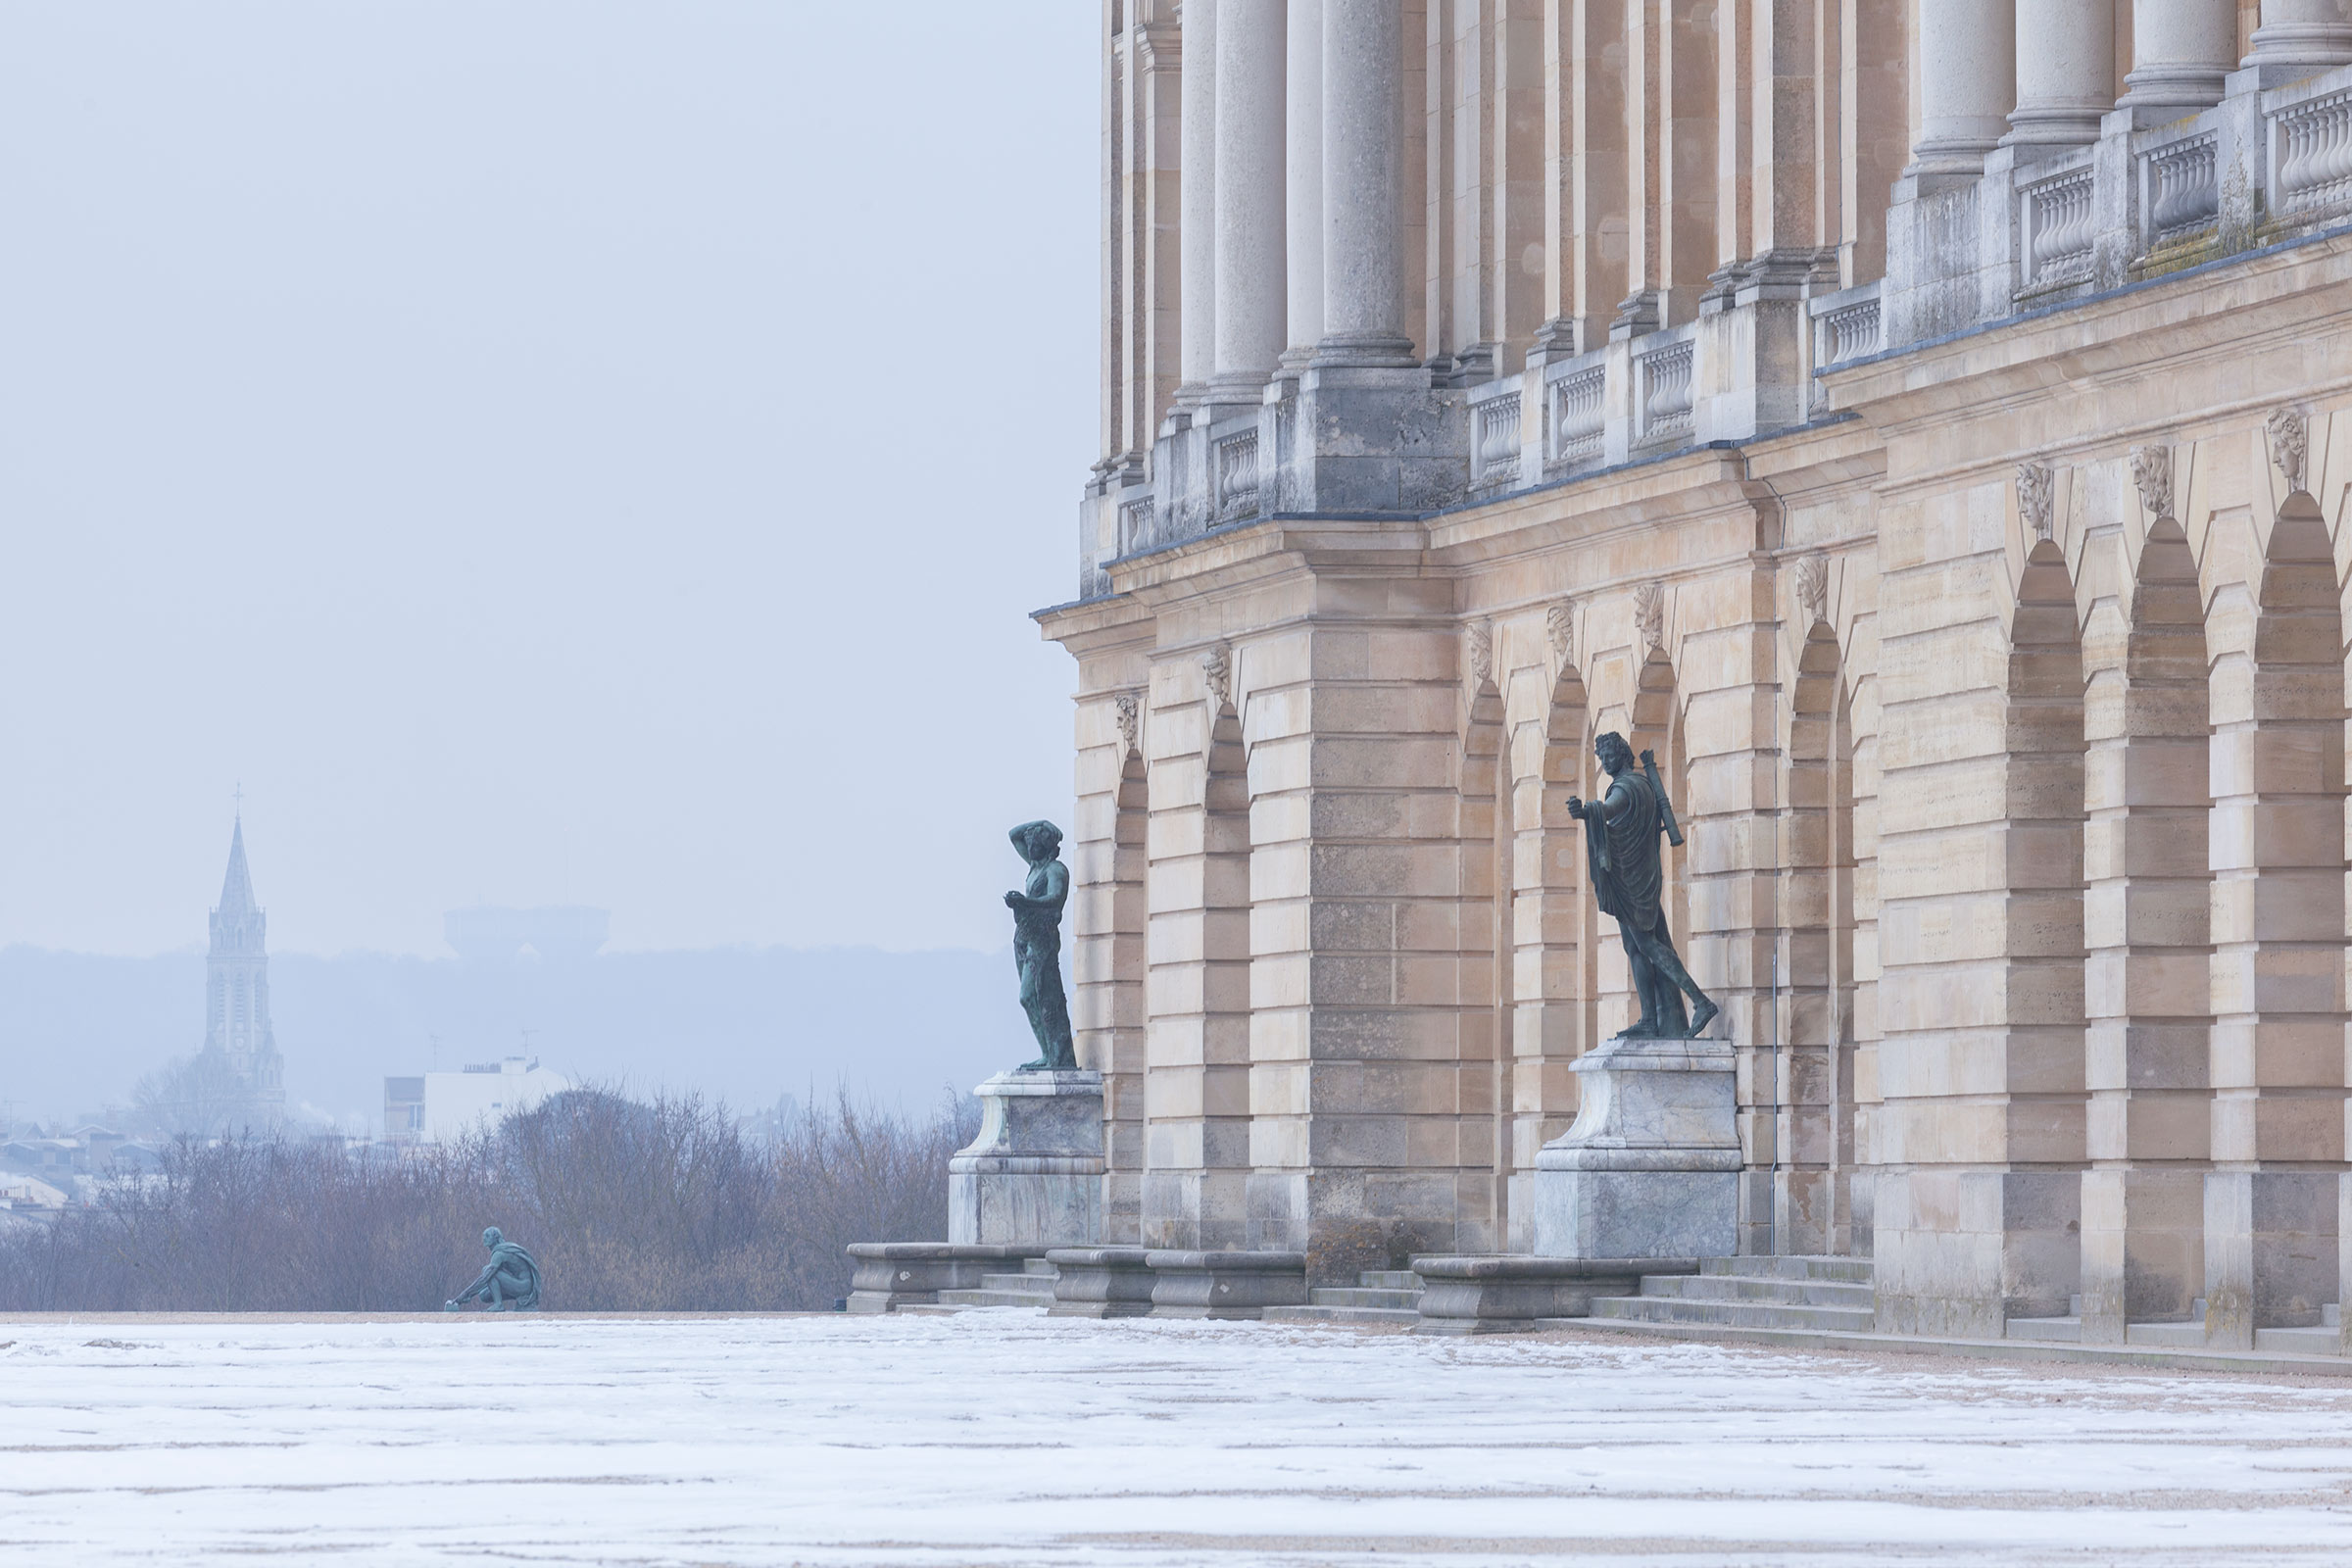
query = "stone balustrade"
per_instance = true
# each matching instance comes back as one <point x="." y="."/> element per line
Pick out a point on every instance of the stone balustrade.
<point x="2263" y="165"/>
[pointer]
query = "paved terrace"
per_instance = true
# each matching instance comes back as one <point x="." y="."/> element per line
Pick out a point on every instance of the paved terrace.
<point x="1001" y="1438"/>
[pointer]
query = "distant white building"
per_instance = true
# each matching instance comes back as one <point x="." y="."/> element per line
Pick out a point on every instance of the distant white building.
<point x="439" y="1106"/>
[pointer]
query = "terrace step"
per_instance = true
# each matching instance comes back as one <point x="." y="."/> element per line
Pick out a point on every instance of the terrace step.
<point x="1379" y="1296"/>
<point x="1648" y="1308"/>
<point x="1758" y="1293"/>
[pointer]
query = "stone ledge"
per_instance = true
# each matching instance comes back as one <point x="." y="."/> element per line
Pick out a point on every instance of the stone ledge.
<point x="2120" y="1355"/>
<point x="1225" y="1285"/>
<point x="889" y="1275"/>
<point x="1100" y="1282"/>
<point x="1512" y="1293"/>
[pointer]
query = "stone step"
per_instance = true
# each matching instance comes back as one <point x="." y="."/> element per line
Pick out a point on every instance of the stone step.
<point x="1365" y="1296"/>
<point x="1039" y="1268"/>
<point x="1761" y="1287"/>
<point x="1406" y="1316"/>
<point x="2317" y="1340"/>
<point x="1734" y="1313"/>
<point x="2049" y="1329"/>
<point x="1851" y="1270"/>
<point x="993" y="1298"/>
<point x="1389" y="1279"/>
<point x="2189" y="1335"/>
<point x="1025" y="1283"/>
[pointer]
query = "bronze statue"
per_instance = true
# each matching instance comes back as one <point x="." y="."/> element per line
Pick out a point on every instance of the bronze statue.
<point x="510" y="1281"/>
<point x="1037" y="944"/>
<point x="1628" y="870"/>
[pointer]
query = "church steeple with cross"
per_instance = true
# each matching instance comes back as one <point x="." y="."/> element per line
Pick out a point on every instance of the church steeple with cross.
<point x="238" y="983"/>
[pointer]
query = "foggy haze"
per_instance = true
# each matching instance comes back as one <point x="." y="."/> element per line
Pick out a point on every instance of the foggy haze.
<point x="585" y="453"/>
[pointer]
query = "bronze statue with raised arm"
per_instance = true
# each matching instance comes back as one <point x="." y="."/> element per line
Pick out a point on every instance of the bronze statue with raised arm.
<point x="1037" y="944"/>
<point x="1621" y="830"/>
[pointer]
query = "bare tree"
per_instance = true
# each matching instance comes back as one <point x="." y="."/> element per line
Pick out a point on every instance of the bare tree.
<point x="628" y="1204"/>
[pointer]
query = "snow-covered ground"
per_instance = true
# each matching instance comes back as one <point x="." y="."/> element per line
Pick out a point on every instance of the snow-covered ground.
<point x="1001" y="1438"/>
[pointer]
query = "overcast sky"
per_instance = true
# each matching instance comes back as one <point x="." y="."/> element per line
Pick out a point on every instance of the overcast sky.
<point x="577" y="451"/>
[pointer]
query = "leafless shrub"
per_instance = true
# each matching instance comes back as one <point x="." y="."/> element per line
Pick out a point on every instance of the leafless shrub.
<point x="628" y="1205"/>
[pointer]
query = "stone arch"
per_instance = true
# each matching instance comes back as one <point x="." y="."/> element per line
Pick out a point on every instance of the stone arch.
<point x="1479" y="943"/>
<point x="2148" y="942"/>
<point x="1550" y="926"/>
<point x="1197" y="1090"/>
<point x="1813" y="1143"/>
<point x="2042" y="972"/>
<point x="2277" y="858"/>
<point x="1119" y="1055"/>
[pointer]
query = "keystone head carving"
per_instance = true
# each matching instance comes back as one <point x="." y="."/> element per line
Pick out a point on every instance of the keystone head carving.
<point x="2287" y="436"/>
<point x="1130" y="715"/>
<point x="1813" y="587"/>
<point x="2152" y="474"/>
<point x="1559" y="629"/>
<point x="1216" y="667"/>
<point x="1479" y="637"/>
<point x="2035" y="485"/>
<point x="1649" y="612"/>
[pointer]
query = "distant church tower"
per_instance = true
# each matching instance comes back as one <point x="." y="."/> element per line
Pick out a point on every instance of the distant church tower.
<point x="236" y="1013"/>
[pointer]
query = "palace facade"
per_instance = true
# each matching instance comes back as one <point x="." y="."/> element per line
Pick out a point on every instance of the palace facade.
<point x="1927" y="424"/>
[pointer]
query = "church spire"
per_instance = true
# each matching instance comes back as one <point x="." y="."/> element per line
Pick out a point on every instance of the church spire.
<point x="238" y="983"/>
<point x="236" y="888"/>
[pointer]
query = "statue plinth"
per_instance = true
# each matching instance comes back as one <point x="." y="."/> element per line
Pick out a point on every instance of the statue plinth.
<point x="1652" y="1167"/>
<point x="1034" y="1176"/>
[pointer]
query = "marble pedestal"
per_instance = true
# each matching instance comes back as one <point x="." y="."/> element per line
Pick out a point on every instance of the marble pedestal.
<point x="1652" y="1167"/>
<point x="1034" y="1176"/>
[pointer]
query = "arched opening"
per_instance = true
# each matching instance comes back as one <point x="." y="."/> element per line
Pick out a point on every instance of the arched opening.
<point x="2149" y="969"/>
<point x="1225" y="987"/>
<point x="2041" y="1040"/>
<point x="2277" y="855"/>
<point x="1812" y="1093"/>
<point x="1479" y="1021"/>
<point x="1118" y="1008"/>
<point x="1552" y="997"/>
<point x="1196" y="1089"/>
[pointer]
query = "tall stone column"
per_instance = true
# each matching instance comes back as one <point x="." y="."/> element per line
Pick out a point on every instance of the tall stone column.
<point x="1302" y="178"/>
<point x="1197" y="205"/>
<point x="1251" y="325"/>
<point x="2301" y="38"/>
<point x="1363" y="188"/>
<point x="2065" y="72"/>
<point x="1967" y="83"/>
<point x="2181" y="49"/>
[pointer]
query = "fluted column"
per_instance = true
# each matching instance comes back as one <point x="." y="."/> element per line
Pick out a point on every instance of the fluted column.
<point x="2300" y="38"/>
<point x="1251" y="320"/>
<point x="1967" y="83"/>
<point x="1197" y="204"/>
<point x="1363" y="185"/>
<point x="2065" y="72"/>
<point x="2181" y="49"/>
<point x="1302" y="178"/>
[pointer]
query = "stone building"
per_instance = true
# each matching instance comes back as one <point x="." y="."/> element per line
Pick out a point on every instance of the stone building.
<point x="1917" y="421"/>
<point x="236" y="987"/>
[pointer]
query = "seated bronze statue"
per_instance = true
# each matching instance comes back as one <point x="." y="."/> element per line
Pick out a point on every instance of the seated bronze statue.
<point x="509" y="1284"/>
